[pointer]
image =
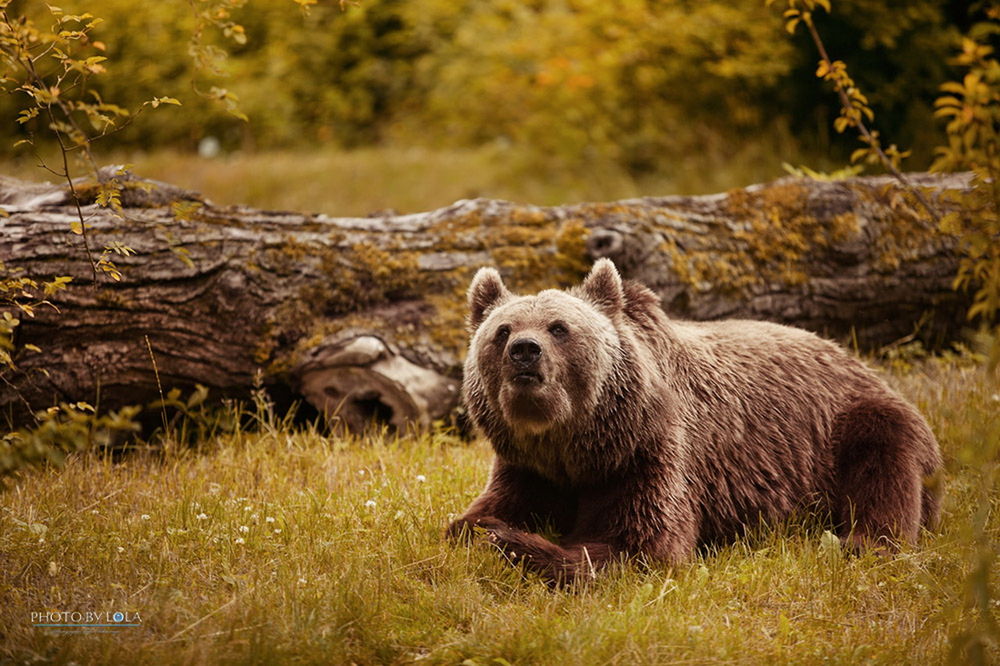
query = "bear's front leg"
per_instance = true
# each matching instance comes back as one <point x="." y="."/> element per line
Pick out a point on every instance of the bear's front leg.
<point x="519" y="498"/>
<point x="649" y="515"/>
<point x="552" y="562"/>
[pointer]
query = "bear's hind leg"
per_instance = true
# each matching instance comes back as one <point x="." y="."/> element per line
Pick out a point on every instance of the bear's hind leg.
<point x="878" y="492"/>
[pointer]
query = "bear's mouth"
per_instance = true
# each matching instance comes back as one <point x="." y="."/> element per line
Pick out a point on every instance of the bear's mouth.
<point x="527" y="378"/>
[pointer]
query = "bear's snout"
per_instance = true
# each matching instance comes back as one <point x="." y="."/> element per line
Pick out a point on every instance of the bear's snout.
<point x="525" y="352"/>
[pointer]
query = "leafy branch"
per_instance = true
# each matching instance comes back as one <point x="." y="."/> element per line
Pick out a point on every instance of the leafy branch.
<point x="854" y="107"/>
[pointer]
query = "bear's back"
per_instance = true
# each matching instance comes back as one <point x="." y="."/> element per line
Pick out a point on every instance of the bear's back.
<point x="756" y="403"/>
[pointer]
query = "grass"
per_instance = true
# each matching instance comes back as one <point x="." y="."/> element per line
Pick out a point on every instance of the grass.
<point x="414" y="179"/>
<point x="288" y="546"/>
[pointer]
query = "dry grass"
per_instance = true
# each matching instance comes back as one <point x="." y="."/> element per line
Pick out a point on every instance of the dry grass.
<point x="413" y="179"/>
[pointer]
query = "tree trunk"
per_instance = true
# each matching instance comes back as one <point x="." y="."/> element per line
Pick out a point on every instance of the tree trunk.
<point x="364" y="317"/>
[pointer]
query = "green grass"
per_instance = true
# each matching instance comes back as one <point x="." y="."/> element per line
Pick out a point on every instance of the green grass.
<point x="281" y="546"/>
<point x="414" y="179"/>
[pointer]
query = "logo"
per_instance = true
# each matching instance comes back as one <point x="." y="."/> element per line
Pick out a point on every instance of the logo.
<point x="85" y="621"/>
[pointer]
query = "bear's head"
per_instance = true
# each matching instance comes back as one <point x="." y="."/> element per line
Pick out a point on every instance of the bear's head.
<point x="539" y="362"/>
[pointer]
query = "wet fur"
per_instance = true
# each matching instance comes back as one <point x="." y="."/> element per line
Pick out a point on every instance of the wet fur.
<point x="652" y="436"/>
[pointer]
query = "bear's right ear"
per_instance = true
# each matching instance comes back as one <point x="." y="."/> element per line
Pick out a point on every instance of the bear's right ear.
<point x="603" y="287"/>
<point x="486" y="292"/>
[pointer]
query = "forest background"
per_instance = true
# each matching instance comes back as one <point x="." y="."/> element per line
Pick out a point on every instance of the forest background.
<point x="546" y="101"/>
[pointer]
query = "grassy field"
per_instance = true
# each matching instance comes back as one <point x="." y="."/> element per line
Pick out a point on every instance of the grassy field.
<point x="413" y="179"/>
<point x="282" y="546"/>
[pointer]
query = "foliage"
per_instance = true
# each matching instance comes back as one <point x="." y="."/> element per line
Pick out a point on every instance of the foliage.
<point x="20" y="297"/>
<point x="278" y="546"/>
<point x="50" y="70"/>
<point x="855" y="109"/>
<point x="973" y="129"/>
<point x="61" y="430"/>
<point x="972" y="109"/>
<point x="635" y="84"/>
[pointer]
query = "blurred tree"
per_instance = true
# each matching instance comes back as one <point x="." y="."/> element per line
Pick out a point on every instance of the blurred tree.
<point x="637" y="82"/>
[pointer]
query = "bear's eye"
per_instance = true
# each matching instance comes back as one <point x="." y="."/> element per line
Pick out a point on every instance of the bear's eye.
<point x="558" y="330"/>
<point x="502" y="334"/>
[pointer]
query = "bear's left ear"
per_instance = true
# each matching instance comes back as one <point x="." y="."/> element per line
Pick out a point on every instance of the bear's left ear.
<point x="603" y="287"/>
<point x="486" y="292"/>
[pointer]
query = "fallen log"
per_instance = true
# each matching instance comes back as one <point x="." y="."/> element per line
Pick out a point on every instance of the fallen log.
<point x="363" y="318"/>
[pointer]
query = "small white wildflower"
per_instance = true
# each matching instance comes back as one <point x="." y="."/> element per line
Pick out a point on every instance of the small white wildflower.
<point x="94" y="511"/>
<point x="995" y="397"/>
<point x="370" y="504"/>
<point x="244" y="529"/>
<point x="248" y="508"/>
<point x="829" y="542"/>
<point x="269" y="519"/>
<point x="202" y="516"/>
<point x="302" y="581"/>
<point x="121" y="549"/>
<point x="145" y="516"/>
<point x="239" y="540"/>
<point x="399" y="515"/>
<point x="361" y="472"/>
<point x="214" y="488"/>
<point x="255" y="517"/>
<point x="421" y="478"/>
<point x="277" y="530"/>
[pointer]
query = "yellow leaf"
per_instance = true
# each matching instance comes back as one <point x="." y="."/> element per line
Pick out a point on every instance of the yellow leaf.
<point x="946" y="111"/>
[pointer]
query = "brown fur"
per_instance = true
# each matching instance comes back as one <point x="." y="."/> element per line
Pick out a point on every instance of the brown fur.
<point x="629" y="433"/>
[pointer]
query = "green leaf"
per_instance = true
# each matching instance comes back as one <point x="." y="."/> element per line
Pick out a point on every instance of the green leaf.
<point x="57" y="284"/>
<point x="183" y="254"/>
<point x="157" y="101"/>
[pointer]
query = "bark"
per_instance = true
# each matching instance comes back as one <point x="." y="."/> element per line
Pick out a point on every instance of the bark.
<point x="364" y="317"/>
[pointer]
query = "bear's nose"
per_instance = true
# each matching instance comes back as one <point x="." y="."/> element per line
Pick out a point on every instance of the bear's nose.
<point x="525" y="351"/>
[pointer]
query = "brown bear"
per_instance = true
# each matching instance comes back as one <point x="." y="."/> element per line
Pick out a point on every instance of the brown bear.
<point x="628" y="433"/>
